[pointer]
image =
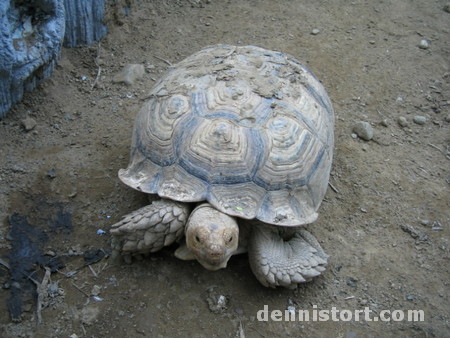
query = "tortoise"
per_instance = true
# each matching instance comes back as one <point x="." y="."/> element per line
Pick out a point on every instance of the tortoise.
<point x="235" y="145"/>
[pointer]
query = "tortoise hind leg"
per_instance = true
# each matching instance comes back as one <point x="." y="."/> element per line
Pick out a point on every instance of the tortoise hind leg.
<point x="149" y="229"/>
<point x="278" y="260"/>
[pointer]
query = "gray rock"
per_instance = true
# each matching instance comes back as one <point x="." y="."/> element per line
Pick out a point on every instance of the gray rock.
<point x="424" y="44"/>
<point x="402" y="122"/>
<point x="28" y="123"/>
<point x="25" y="62"/>
<point x="364" y="130"/>
<point x="84" y="22"/>
<point x="51" y="173"/>
<point x="384" y="123"/>
<point x="414" y="232"/>
<point x="129" y="74"/>
<point x="425" y="222"/>
<point x="420" y="119"/>
<point x="315" y="31"/>
<point x="31" y="36"/>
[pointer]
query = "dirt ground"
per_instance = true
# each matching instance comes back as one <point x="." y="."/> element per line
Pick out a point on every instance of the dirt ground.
<point x="384" y="221"/>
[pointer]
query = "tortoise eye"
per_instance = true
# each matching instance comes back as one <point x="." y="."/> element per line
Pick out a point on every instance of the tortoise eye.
<point x="197" y="239"/>
<point x="230" y="239"/>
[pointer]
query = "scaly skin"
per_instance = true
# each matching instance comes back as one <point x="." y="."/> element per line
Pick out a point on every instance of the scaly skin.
<point x="279" y="256"/>
<point x="149" y="229"/>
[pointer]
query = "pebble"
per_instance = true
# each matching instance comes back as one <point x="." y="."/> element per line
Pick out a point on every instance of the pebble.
<point x="291" y="309"/>
<point x="424" y="222"/>
<point x="95" y="291"/>
<point x="402" y="121"/>
<point x="420" y="119"/>
<point x="364" y="130"/>
<point x="129" y="74"/>
<point x="424" y="44"/>
<point x="315" y="31"/>
<point x="51" y="173"/>
<point x="447" y="8"/>
<point x="351" y="282"/>
<point x="447" y="118"/>
<point x="28" y="123"/>
<point x="384" y="123"/>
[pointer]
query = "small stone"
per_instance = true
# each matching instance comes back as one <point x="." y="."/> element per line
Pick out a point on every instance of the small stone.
<point x="364" y="130"/>
<point x="315" y="31"/>
<point x="68" y="117"/>
<point x="50" y="253"/>
<point x="402" y="122"/>
<point x="95" y="291"/>
<point x="73" y="193"/>
<point x="51" y="173"/>
<point x="424" y="44"/>
<point x="291" y="309"/>
<point x="28" y="123"/>
<point x="410" y="298"/>
<point x="351" y="282"/>
<point x="447" y="8"/>
<point x="420" y="119"/>
<point x="53" y="288"/>
<point x="129" y="74"/>
<point x="447" y="118"/>
<point x="436" y="226"/>
<point x="384" y="123"/>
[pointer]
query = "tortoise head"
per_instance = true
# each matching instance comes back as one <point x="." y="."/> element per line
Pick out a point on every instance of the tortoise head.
<point x="211" y="236"/>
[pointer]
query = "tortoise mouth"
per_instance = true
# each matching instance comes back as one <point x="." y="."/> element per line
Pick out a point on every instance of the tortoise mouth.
<point x="213" y="263"/>
<point x="213" y="266"/>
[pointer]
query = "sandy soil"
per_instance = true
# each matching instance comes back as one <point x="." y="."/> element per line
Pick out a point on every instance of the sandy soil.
<point x="385" y="225"/>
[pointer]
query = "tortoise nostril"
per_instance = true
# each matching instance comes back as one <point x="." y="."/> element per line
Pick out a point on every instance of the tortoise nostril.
<point x="215" y="250"/>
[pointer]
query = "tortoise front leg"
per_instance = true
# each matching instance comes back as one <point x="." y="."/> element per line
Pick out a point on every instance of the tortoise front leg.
<point x="149" y="229"/>
<point x="284" y="256"/>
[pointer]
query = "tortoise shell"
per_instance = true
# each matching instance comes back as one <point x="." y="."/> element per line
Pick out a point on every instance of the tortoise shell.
<point x="247" y="129"/>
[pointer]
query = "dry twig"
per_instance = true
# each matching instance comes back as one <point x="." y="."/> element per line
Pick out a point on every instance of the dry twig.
<point x="41" y="289"/>
<point x="333" y="188"/>
<point x="164" y="60"/>
<point x="99" y="69"/>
